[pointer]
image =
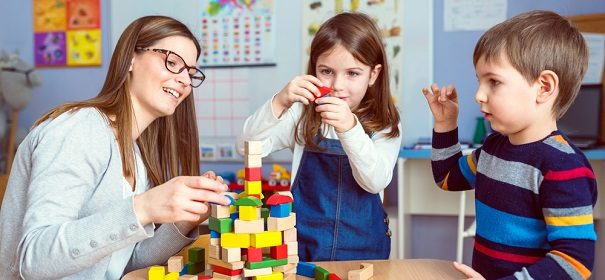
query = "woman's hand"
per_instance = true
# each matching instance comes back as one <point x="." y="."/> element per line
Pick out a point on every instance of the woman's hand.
<point x="468" y="271"/>
<point x="182" y="199"/>
<point x="300" y="89"/>
<point x="444" y="106"/>
<point x="335" y="112"/>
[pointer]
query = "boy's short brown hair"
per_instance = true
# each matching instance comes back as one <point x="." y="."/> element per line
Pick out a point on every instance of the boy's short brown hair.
<point x="536" y="41"/>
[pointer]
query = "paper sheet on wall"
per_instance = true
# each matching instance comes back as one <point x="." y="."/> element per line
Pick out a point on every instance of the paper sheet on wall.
<point x="466" y="15"/>
<point x="596" y="57"/>
<point x="222" y="103"/>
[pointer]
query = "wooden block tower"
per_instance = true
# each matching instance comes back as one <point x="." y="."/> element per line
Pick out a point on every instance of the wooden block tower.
<point x="249" y="240"/>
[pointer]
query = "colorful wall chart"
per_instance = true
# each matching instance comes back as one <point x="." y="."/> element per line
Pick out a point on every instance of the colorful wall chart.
<point x="238" y="33"/>
<point x="67" y="32"/>
<point x="387" y="14"/>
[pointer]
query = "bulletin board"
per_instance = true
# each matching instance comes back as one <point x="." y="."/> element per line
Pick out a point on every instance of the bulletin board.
<point x="67" y="32"/>
<point x="386" y="13"/>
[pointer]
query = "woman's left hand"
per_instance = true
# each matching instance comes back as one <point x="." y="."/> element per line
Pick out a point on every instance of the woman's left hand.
<point x="212" y="175"/>
<point x="335" y="112"/>
<point x="468" y="271"/>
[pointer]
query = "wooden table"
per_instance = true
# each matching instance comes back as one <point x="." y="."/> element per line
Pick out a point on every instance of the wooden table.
<point x="421" y="269"/>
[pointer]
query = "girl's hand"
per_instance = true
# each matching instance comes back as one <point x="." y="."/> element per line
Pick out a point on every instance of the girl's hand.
<point x="335" y="112"/>
<point x="444" y="106"/>
<point x="468" y="271"/>
<point x="212" y="175"/>
<point x="300" y="89"/>
<point x="182" y="199"/>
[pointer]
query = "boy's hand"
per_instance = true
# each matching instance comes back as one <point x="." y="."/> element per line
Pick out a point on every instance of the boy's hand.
<point x="300" y="89"/>
<point x="468" y="271"/>
<point x="335" y="112"/>
<point x="444" y="106"/>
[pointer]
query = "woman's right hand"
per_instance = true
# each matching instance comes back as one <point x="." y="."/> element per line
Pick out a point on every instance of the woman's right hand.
<point x="444" y="106"/>
<point x="300" y="89"/>
<point x="183" y="198"/>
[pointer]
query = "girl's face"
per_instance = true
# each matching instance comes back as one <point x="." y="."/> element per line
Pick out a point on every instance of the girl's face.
<point x="350" y="79"/>
<point x="156" y="92"/>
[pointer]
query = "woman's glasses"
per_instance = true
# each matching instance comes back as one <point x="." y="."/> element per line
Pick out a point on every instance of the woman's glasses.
<point x="176" y="64"/>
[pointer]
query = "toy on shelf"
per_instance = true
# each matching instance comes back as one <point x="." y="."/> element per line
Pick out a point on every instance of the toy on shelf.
<point x="279" y="179"/>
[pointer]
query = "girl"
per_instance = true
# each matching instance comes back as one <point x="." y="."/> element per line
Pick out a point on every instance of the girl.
<point x="94" y="179"/>
<point x="344" y="145"/>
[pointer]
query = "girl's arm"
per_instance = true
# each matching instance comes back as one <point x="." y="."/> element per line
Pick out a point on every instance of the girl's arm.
<point x="276" y="132"/>
<point x="372" y="159"/>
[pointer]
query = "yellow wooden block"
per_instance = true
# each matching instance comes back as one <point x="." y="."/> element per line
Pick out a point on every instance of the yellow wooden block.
<point x="253" y="187"/>
<point x="248" y="213"/>
<point x="273" y="276"/>
<point x="156" y="272"/>
<point x="235" y="240"/>
<point x="172" y="276"/>
<point x="266" y="239"/>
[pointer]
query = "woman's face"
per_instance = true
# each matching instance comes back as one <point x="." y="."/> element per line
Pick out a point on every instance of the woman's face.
<point x="155" y="91"/>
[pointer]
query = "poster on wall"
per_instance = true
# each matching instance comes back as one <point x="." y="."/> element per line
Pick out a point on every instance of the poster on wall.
<point x="67" y="33"/>
<point x="238" y="33"/>
<point x="388" y="15"/>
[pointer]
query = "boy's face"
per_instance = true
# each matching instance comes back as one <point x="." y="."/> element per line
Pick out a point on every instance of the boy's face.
<point x="507" y="100"/>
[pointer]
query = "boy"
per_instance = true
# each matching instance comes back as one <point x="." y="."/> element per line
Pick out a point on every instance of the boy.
<point x="535" y="191"/>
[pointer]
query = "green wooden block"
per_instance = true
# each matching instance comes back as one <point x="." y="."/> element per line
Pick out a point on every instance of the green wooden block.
<point x="266" y="262"/>
<point x="196" y="254"/>
<point x="195" y="268"/>
<point x="264" y="213"/>
<point x="220" y="225"/>
<point x="321" y="273"/>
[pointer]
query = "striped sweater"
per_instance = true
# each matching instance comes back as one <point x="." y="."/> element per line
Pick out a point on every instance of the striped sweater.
<point x="533" y="204"/>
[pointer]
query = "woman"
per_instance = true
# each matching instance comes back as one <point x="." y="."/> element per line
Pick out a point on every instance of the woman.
<point x="93" y="180"/>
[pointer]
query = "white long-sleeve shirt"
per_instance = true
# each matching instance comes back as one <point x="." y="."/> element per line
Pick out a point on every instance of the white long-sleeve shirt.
<point x="372" y="159"/>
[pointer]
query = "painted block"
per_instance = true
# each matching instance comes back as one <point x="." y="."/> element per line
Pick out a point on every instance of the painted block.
<point x="306" y="269"/>
<point x="279" y="252"/>
<point x="220" y="225"/>
<point x="253" y="187"/>
<point x="253" y="173"/>
<point x="273" y="276"/>
<point x="235" y="240"/>
<point x="321" y="273"/>
<point x="280" y="210"/>
<point x="156" y="272"/>
<point x="265" y="239"/>
<point x="266" y="262"/>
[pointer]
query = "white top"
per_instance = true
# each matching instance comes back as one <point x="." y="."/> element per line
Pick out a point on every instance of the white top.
<point x="372" y="159"/>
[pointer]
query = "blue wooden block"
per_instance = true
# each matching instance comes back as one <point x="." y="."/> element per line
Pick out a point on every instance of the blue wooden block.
<point x="280" y="211"/>
<point x="306" y="269"/>
<point x="214" y="234"/>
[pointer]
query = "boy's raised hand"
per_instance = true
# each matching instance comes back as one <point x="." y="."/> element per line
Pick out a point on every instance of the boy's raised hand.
<point x="300" y="89"/>
<point x="444" y="106"/>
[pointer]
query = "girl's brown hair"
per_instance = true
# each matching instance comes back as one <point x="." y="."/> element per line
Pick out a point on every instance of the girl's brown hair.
<point x="169" y="146"/>
<point x="357" y="33"/>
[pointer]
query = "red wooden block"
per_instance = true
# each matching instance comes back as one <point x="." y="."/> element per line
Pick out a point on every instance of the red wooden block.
<point x="333" y="276"/>
<point x="276" y="199"/>
<point x="253" y="173"/>
<point x="324" y="91"/>
<point x="279" y="252"/>
<point x="254" y="254"/>
<point x="226" y="271"/>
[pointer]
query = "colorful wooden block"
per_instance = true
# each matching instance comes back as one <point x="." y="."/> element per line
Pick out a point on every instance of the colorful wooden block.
<point x="365" y="272"/>
<point x="266" y="262"/>
<point x="306" y="269"/>
<point x="235" y="240"/>
<point x="277" y="199"/>
<point x="254" y="254"/>
<point x="253" y="226"/>
<point x="156" y="272"/>
<point x="172" y="276"/>
<point x="222" y="225"/>
<point x="253" y="147"/>
<point x="175" y="264"/>
<point x="280" y="210"/>
<point x="333" y="276"/>
<point x="253" y="161"/>
<point x="253" y="173"/>
<point x="219" y="211"/>
<point x="196" y="254"/>
<point x="253" y="187"/>
<point x="273" y="276"/>
<point x="216" y="275"/>
<point x="195" y="268"/>
<point x="279" y="252"/>
<point x="265" y="239"/>
<point x="321" y="273"/>
<point x="226" y="271"/>
<point x="290" y="235"/>
<point x="281" y="224"/>
<point x="257" y="272"/>
<point x="231" y="254"/>
<point x="248" y="213"/>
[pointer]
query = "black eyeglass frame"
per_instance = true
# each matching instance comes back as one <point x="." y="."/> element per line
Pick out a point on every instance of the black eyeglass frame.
<point x="24" y="72"/>
<point x="167" y="54"/>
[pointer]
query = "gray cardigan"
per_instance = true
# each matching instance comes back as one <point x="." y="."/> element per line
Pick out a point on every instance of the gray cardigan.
<point x="64" y="214"/>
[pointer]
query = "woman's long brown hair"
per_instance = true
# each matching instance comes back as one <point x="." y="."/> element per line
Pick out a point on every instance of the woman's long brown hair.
<point x="357" y="33"/>
<point x="170" y="145"/>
